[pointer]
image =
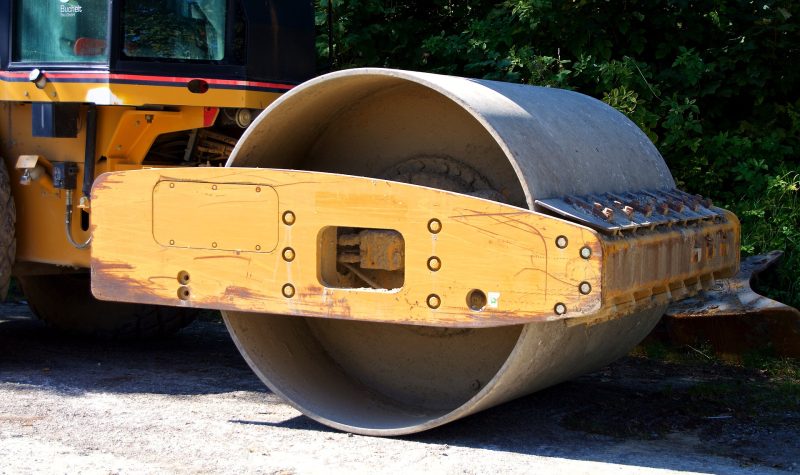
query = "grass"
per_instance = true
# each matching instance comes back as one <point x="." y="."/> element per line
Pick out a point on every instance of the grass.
<point x="691" y="389"/>
<point x="755" y="384"/>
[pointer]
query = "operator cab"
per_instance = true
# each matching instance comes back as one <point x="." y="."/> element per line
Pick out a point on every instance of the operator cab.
<point x="245" y="40"/>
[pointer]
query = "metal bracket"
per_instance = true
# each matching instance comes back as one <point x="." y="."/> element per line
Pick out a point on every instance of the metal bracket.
<point x="734" y="318"/>
<point x="611" y="213"/>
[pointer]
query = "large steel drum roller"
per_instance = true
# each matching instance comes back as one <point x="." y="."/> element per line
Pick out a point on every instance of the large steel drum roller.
<point x="509" y="143"/>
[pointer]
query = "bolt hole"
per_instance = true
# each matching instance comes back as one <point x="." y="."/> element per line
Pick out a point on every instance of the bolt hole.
<point x="288" y="218"/>
<point x="560" y="309"/>
<point x="434" y="226"/>
<point x="434" y="301"/>
<point x="288" y="254"/>
<point x="184" y="293"/>
<point x="183" y="277"/>
<point x="288" y="291"/>
<point x="434" y="264"/>
<point x="476" y="300"/>
<point x="562" y="242"/>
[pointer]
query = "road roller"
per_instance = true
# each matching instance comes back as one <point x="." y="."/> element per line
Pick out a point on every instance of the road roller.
<point x="390" y="250"/>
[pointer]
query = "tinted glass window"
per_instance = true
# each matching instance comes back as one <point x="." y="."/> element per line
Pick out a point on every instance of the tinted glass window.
<point x="60" y="31"/>
<point x="175" y="29"/>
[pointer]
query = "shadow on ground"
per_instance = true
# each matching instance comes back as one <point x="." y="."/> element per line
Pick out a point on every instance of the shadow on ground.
<point x="634" y="412"/>
<point x="201" y="359"/>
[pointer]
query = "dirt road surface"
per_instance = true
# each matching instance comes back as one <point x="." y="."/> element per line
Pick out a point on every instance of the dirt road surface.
<point x="190" y="404"/>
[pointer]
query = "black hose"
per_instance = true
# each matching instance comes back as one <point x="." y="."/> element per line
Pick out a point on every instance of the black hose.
<point x="89" y="157"/>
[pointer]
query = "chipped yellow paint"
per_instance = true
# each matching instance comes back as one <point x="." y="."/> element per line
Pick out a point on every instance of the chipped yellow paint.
<point x="202" y="238"/>
<point x="503" y="251"/>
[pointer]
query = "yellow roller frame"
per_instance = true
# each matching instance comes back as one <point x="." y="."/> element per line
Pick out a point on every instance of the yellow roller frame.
<point x="259" y="240"/>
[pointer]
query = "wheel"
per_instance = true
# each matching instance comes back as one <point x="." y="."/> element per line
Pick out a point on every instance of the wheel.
<point x="65" y="302"/>
<point x="8" y="241"/>
<point x="503" y="142"/>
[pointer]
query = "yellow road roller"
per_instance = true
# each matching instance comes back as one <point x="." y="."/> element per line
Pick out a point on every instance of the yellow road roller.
<point x="390" y="250"/>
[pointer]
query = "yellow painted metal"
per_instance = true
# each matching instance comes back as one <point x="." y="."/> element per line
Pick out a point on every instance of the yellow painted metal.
<point x="124" y="135"/>
<point x="40" y="209"/>
<point x="508" y="254"/>
<point x="232" y="229"/>
<point x="652" y="268"/>
<point x="133" y="95"/>
<point x="136" y="130"/>
<point x="202" y="215"/>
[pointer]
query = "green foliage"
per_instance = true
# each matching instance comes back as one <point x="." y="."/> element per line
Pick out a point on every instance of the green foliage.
<point x="771" y="220"/>
<point x="715" y="84"/>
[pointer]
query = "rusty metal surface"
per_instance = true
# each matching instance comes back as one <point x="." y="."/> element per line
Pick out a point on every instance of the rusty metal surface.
<point x="734" y="318"/>
<point x="289" y="266"/>
<point x="370" y="271"/>
<point x="650" y="268"/>
<point x="380" y="249"/>
<point x="628" y="211"/>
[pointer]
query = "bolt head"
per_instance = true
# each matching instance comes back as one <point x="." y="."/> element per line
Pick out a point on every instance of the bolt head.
<point x="586" y="252"/>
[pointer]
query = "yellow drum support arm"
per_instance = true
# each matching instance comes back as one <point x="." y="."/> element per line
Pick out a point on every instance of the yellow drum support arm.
<point x="336" y="246"/>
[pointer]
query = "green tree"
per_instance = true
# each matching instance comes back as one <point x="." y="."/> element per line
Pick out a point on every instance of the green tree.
<point x="714" y="83"/>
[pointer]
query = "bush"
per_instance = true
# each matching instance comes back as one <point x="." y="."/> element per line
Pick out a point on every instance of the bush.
<point x="713" y="83"/>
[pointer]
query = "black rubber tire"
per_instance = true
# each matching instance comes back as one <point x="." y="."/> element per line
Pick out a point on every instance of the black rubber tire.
<point x="8" y="240"/>
<point x="65" y="302"/>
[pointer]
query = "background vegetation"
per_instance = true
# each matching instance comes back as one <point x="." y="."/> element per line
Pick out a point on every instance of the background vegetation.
<point x="714" y="83"/>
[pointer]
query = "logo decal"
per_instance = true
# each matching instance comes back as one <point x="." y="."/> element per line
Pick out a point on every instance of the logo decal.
<point x="69" y="10"/>
<point x="494" y="300"/>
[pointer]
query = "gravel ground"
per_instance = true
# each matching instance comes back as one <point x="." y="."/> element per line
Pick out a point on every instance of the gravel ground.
<point x="190" y="404"/>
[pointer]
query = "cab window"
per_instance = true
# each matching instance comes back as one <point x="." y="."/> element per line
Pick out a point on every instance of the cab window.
<point x="61" y="31"/>
<point x="192" y="30"/>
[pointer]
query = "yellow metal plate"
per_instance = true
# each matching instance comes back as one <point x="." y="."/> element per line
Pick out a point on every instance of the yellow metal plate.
<point x="204" y="215"/>
<point x="527" y="265"/>
<point x="190" y="237"/>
